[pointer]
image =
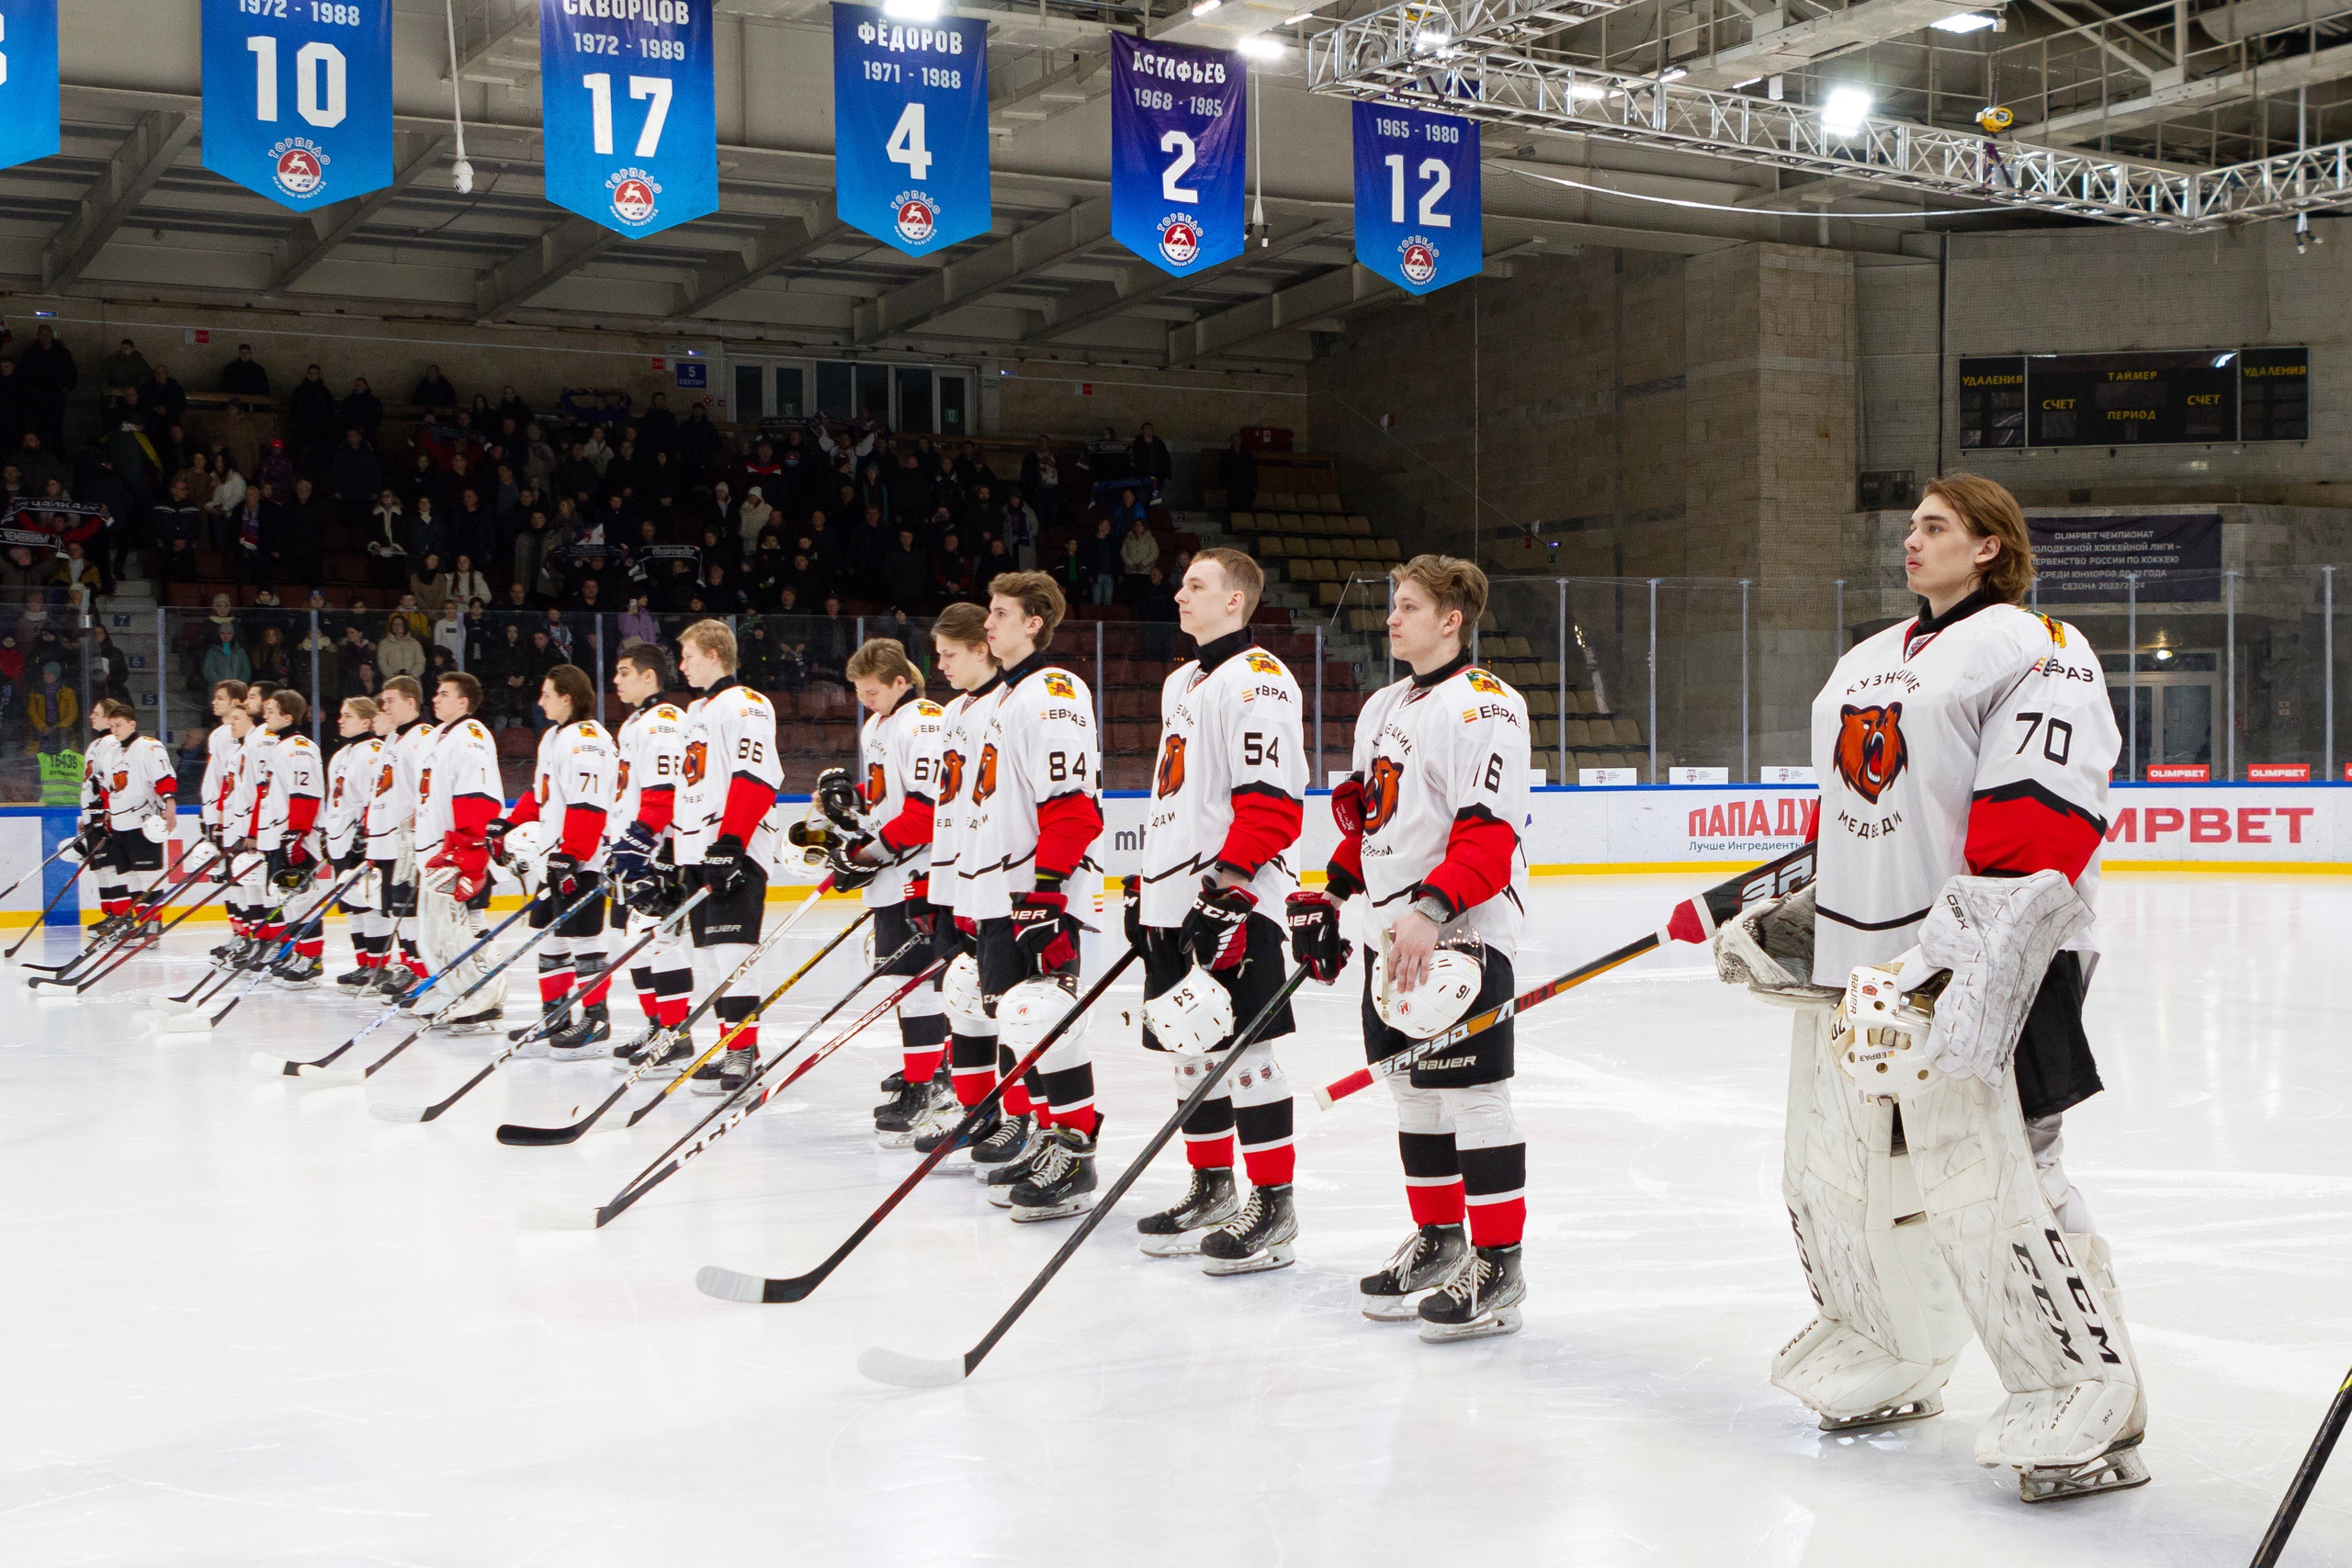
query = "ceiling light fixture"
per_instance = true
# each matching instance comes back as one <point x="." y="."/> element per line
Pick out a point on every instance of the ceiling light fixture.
<point x="911" y="10"/>
<point x="1845" y="109"/>
<point x="1962" y="22"/>
<point x="1262" y="46"/>
<point x="1203" y="8"/>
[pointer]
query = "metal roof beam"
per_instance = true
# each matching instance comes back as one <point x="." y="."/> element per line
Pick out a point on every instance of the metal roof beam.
<point x="1143" y="283"/>
<point x="317" y="233"/>
<point x="2179" y="98"/>
<point x="1793" y="47"/>
<point x="554" y="256"/>
<point x="1341" y="290"/>
<point x="779" y="246"/>
<point x="1007" y="263"/>
<point x="154" y="143"/>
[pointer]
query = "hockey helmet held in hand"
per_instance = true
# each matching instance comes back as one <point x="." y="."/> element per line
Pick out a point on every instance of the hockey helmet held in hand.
<point x="156" y="828"/>
<point x="1027" y="1013"/>
<point x="959" y="988"/>
<point x="1194" y="1015"/>
<point x="523" y="854"/>
<point x="1456" y="974"/>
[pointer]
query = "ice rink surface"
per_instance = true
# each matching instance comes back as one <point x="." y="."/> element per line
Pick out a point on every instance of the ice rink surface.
<point x="249" y="1325"/>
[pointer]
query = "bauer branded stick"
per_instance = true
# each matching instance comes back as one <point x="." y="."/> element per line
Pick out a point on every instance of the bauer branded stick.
<point x="105" y="945"/>
<point x="143" y="943"/>
<point x="90" y="957"/>
<point x="728" y="1285"/>
<point x="1694" y="919"/>
<point x="921" y="1371"/>
<point x="730" y="1112"/>
<point x="519" y="1136"/>
<point x="547" y="1015"/>
<point x="2290" y="1506"/>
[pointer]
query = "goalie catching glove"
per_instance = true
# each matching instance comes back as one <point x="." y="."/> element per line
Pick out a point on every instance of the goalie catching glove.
<point x="459" y="871"/>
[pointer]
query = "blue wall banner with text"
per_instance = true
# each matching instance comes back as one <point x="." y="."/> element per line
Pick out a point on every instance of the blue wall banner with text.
<point x="910" y="129"/>
<point x="1418" y="219"/>
<point x="297" y="98"/>
<point x="28" y="81"/>
<point x="1179" y="137"/>
<point x="629" y="111"/>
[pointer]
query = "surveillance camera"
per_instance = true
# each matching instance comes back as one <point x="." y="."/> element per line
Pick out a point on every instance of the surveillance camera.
<point x="461" y="173"/>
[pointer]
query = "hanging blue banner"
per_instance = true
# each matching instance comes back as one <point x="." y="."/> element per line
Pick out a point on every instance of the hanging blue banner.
<point x="28" y="81"/>
<point x="1179" y="137"/>
<point x="1418" y="219"/>
<point x="627" y="111"/>
<point x="910" y="129"/>
<point x="297" y="98"/>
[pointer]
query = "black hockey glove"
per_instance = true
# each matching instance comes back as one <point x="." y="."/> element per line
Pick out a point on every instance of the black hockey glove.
<point x="850" y="873"/>
<point x="1041" y="929"/>
<point x="564" y="874"/>
<point x="1216" y="932"/>
<point x="921" y="912"/>
<point x="839" y="798"/>
<point x="1315" y="939"/>
<point x="1131" y="894"/>
<point x="291" y="867"/>
<point x="723" y="869"/>
<point x="92" y="837"/>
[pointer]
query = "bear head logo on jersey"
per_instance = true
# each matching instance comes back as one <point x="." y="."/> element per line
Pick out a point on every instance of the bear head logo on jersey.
<point x="1170" y="778"/>
<point x="951" y="775"/>
<point x="984" y="785"/>
<point x="1380" y="793"/>
<point x="876" y="785"/>
<point x="697" y="752"/>
<point x="1870" y="754"/>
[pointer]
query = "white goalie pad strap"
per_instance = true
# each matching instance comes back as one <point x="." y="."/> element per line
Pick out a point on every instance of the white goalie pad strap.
<point x="1888" y="1327"/>
<point x="2040" y="1300"/>
<point x="959" y="993"/>
<point x="1998" y="936"/>
<point x="1768" y="947"/>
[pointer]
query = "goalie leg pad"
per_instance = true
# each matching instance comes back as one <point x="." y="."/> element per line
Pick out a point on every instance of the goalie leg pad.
<point x="2042" y="1300"/>
<point x="1889" y="1326"/>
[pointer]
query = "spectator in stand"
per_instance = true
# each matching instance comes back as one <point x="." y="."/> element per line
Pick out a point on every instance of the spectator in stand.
<point x="272" y="659"/>
<point x="315" y="422"/>
<point x="1138" y="553"/>
<point x="316" y="669"/>
<point x="126" y="369"/>
<point x="588" y="605"/>
<point x="1240" y="464"/>
<point x="1073" y="572"/>
<point x="363" y="411"/>
<point x="434" y="391"/>
<point x="481" y="632"/>
<point x="162" y="400"/>
<point x="399" y="652"/>
<point x="79" y="577"/>
<point x="466" y="583"/>
<point x="1108" y="459"/>
<point x="302" y="536"/>
<point x="428" y="584"/>
<point x="225" y="660"/>
<point x="362" y="680"/>
<point x="754" y="517"/>
<point x="24" y="576"/>
<point x="36" y="464"/>
<point x="242" y="436"/>
<point x="355" y="476"/>
<point x="352" y="647"/>
<point x="388" y="541"/>
<point x="830" y="643"/>
<point x="11" y="683"/>
<point x="512" y="406"/>
<point x="50" y="374"/>
<point x="539" y="459"/>
<point x="53" y="710"/>
<point x="244" y="375"/>
<point x="719" y="595"/>
<point x="109" y="666"/>
<point x="951" y="572"/>
<point x="425" y="535"/>
<point x="1102" y="561"/>
<point x="1041" y="484"/>
<point x="177" y="525"/>
<point x="276" y="469"/>
<point x="12" y="406"/>
<point x="576" y="476"/>
<point x="121" y="520"/>
<point x="1128" y="509"/>
<point x="251" y="531"/>
<point x="699" y="440"/>
<point x="906" y="576"/>
<point x="1157" y="609"/>
<point x="228" y="499"/>
<point x="995" y="561"/>
<point x="420" y="625"/>
<point x="1148" y="458"/>
<point x="450" y="632"/>
<point x="473" y="527"/>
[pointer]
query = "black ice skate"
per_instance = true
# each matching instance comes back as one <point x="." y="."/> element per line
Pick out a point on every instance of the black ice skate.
<point x="355" y="979"/>
<point x="1480" y="1298"/>
<point x="893" y="1085"/>
<point x="583" y="1042"/>
<point x="725" y="1075"/>
<point x="1060" y="1182"/>
<point x="1264" y="1235"/>
<point x="1175" y="1231"/>
<point x="896" y="1125"/>
<point x="297" y="972"/>
<point x="1003" y="1158"/>
<point x="1421" y="1265"/>
<point x="483" y="1023"/>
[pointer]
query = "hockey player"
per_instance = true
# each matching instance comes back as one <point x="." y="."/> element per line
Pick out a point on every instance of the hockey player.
<point x="227" y="829"/>
<point x="139" y="790"/>
<point x="723" y="840"/>
<point x="1034" y="814"/>
<point x="1429" y="833"/>
<point x="351" y="784"/>
<point x="976" y="1059"/>
<point x="220" y="759"/>
<point x="572" y="792"/>
<point x="390" y="828"/>
<point x="94" y="848"/>
<point x="249" y="899"/>
<point x="292" y="791"/>
<point x="652" y="745"/>
<point x="1228" y="798"/>
<point x="885" y="819"/>
<point x="458" y="797"/>
<point x="1963" y="758"/>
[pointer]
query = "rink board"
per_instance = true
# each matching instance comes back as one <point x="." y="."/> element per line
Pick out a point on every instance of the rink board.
<point x="1572" y="831"/>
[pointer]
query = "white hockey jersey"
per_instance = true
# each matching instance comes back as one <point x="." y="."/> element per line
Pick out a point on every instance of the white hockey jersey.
<point x="219" y="775"/>
<point x="97" y="766"/>
<point x="573" y="788"/>
<point x="951" y="822"/>
<point x="1444" y="761"/>
<point x="351" y="782"/>
<point x="901" y="753"/>
<point x="461" y="766"/>
<point x="292" y="771"/>
<point x="652" y="745"/>
<point x="392" y="805"/>
<point x="1980" y="745"/>
<point x="731" y="741"/>
<point x="135" y="770"/>
<point x="1232" y="748"/>
<point x="1039" y="749"/>
<point x="242" y="816"/>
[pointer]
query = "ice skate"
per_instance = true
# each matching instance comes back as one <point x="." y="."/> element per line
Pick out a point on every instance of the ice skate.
<point x="896" y="1127"/>
<point x="484" y="1023"/>
<point x="353" y="980"/>
<point x="1007" y="1143"/>
<point x="1061" y="1180"/>
<point x="941" y="1127"/>
<point x="2120" y="1469"/>
<point x="297" y="972"/>
<point x="728" y="1072"/>
<point x="585" y="1040"/>
<point x="1421" y="1265"/>
<point x="1176" y="1231"/>
<point x="1262" y="1236"/>
<point x="1479" y="1299"/>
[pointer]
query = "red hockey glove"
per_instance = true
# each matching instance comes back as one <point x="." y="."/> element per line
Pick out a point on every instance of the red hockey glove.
<point x="1348" y="804"/>
<point x="1315" y="939"/>
<point x="1217" y="931"/>
<point x="461" y="871"/>
<point x="1041" y="928"/>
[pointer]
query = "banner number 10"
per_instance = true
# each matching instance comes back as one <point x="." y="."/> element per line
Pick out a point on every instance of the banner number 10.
<point x="319" y="93"/>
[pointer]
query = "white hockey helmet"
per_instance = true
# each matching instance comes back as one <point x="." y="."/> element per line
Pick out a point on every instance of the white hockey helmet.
<point x="1882" y="1029"/>
<point x="959" y="988"/>
<point x="156" y="828"/>
<point x="1442" y="998"/>
<point x="1193" y="1015"/>
<point x="1026" y="1012"/>
<point x="524" y="855"/>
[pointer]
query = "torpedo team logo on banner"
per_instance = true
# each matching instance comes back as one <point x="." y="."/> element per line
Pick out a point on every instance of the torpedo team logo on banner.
<point x="28" y="81"/>
<point x="910" y="129"/>
<point x="1418" y="219"/>
<point x="630" y="114"/>
<point x="297" y="98"/>
<point x="1178" y="139"/>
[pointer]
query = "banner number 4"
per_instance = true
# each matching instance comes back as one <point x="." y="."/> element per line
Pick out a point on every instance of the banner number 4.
<point x="906" y="144"/>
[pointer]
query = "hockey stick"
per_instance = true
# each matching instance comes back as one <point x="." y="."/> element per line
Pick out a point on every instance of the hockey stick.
<point x="729" y="1114"/>
<point x="1694" y="919"/>
<point x="291" y="942"/>
<point x="44" y="865"/>
<point x="921" y="1371"/>
<point x="2290" y="1506"/>
<point x="148" y="942"/>
<point x="728" y="1285"/>
<point x="106" y="944"/>
<point x="518" y="1136"/>
<point x="96" y="953"/>
<point x="395" y="1008"/>
<point x="548" y="1014"/>
<point x="41" y="921"/>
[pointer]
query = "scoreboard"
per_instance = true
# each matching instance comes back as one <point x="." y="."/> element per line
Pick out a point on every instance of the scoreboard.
<point x="2175" y="397"/>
